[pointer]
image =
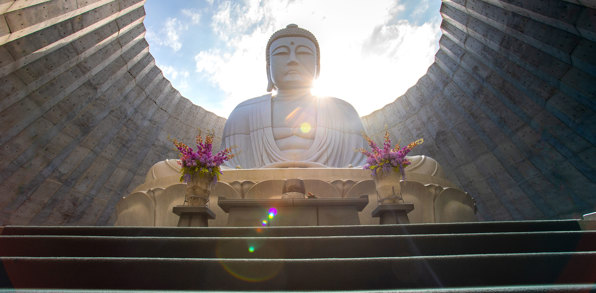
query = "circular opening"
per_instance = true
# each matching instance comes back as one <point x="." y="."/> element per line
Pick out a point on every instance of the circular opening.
<point x="213" y="52"/>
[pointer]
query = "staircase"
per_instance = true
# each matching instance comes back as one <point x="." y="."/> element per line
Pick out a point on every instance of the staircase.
<point x="528" y="256"/>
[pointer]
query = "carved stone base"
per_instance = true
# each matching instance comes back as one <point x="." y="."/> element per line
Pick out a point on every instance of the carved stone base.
<point x="393" y="213"/>
<point x="150" y="204"/>
<point x="293" y="212"/>
<point x="193" y="216"/>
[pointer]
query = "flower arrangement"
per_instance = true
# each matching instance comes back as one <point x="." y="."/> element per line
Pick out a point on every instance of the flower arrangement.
<point x="387" y="158"/>
<point x="202" y="161"/>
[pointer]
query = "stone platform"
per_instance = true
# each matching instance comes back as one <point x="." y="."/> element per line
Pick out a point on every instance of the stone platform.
<point x="293" y="211"/>
<point x="435" y="199"/>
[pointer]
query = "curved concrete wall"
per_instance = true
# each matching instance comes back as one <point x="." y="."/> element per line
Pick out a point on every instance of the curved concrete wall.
<point x="508" y="108"/>
<point x="84" y="111"/>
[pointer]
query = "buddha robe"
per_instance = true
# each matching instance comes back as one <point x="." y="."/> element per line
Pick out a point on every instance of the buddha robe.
<point x="338" y="133"/>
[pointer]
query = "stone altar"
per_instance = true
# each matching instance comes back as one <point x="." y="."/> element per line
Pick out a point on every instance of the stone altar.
<point x="294" y="135"/>
<point x="328" y="211"/>
<point x="435" y="198"/>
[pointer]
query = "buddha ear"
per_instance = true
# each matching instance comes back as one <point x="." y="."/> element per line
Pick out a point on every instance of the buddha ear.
<point x="270" y="85"/>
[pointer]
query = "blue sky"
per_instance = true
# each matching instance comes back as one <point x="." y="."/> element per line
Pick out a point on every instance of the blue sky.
<point x="213" y="52"/>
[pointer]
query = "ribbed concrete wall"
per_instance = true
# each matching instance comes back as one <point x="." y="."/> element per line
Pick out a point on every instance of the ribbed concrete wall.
<point x="508" y="107"/>
<point x="84" y="111"/>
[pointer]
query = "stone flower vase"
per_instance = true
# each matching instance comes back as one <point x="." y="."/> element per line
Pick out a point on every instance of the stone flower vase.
<point x="389" y="186"/>
<point x="198" y="190"/>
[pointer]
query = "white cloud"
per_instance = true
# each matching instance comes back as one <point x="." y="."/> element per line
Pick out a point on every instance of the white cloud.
<point x="391" y="60"/>
<point x="169" y="71"/>
<point x="421" y="7"/>
<point x="238" y="73"/>
<point x="194" y="16"/>
<point x="178" y="78"/>
<point x="168" y="35"/>
<point x="365" y="53"/>
<point x="172" y="27"/>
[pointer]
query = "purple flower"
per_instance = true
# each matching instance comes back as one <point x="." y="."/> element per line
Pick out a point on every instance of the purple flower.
<point x="387" y="158"/>
<point x="202" y="161"/>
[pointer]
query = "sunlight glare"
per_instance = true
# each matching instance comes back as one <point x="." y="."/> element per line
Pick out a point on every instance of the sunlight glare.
<point x="305" y="127"/>
<point x="319" y="89"/>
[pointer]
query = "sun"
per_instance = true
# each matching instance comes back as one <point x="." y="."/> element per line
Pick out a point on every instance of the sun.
<point x="320" y="88"/>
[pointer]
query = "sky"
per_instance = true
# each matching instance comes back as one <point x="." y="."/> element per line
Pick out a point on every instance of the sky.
<point x="213" y="51"/>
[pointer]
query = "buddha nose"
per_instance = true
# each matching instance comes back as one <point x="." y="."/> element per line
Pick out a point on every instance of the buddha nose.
<point x="292" y="58"/>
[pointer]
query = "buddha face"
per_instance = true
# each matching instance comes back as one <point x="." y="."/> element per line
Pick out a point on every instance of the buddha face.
<point x="293" y="62"/>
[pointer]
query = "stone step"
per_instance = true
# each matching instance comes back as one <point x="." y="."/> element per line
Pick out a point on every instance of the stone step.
<point x="555" y="256"/>
<point x="297" y="247"/>
<point x="519" y="269"/>
<point x="565" y="288"/>
<point x="443" y="228"/>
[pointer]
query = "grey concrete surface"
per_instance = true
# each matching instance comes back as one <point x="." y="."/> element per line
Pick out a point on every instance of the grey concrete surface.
<point x="508" y="108"/>
<point x="84" y="110"/>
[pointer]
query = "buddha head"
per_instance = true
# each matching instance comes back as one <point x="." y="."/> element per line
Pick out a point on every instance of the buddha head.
<point x="293" y="58"/>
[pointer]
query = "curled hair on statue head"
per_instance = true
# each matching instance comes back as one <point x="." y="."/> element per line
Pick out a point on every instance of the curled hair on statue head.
<point x="291" y="30"/>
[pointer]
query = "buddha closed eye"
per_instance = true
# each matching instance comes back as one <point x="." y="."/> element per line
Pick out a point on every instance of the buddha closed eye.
<point x="292" y="63"/>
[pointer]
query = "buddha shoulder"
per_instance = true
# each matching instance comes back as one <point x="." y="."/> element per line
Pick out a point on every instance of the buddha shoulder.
<point x="337" y="102"/>
<point x="341" y="112"/>
<point x="237" y="121"/>
<point x="338" y="105"/>
<point x="246" y="107"/>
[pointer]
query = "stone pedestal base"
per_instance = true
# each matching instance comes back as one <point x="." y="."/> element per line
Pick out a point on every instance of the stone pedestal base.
<point x="293" y="211"/>
<point x="393" y="213"/>
<point x="193" y="216"/>
<point x="436" y="199"/>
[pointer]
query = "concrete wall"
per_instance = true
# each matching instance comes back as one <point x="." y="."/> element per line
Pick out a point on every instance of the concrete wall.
<point x="508" y="108"/>
<point x="84" y="111"/>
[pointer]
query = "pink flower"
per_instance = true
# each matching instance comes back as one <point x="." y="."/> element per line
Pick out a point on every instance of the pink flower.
<point x="202" y="161"/>
<point x="387" y="157"/>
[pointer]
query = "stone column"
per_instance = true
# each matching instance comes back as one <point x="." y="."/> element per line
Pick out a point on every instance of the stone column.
<point x="393" y="213"/>
<point x="193" y="216"/>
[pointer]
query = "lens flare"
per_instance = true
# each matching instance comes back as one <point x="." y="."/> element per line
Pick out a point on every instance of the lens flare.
<point x="264" y="223"/>
<point x="305" y="127"/>
<point x="228" y="256"/>
<point x="273" y="211"/>
<point x="293" y="113"/>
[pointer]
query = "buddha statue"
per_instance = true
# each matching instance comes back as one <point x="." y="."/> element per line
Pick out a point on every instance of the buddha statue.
<point x="293" y="128"/>
<point x="292" y="135"/>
